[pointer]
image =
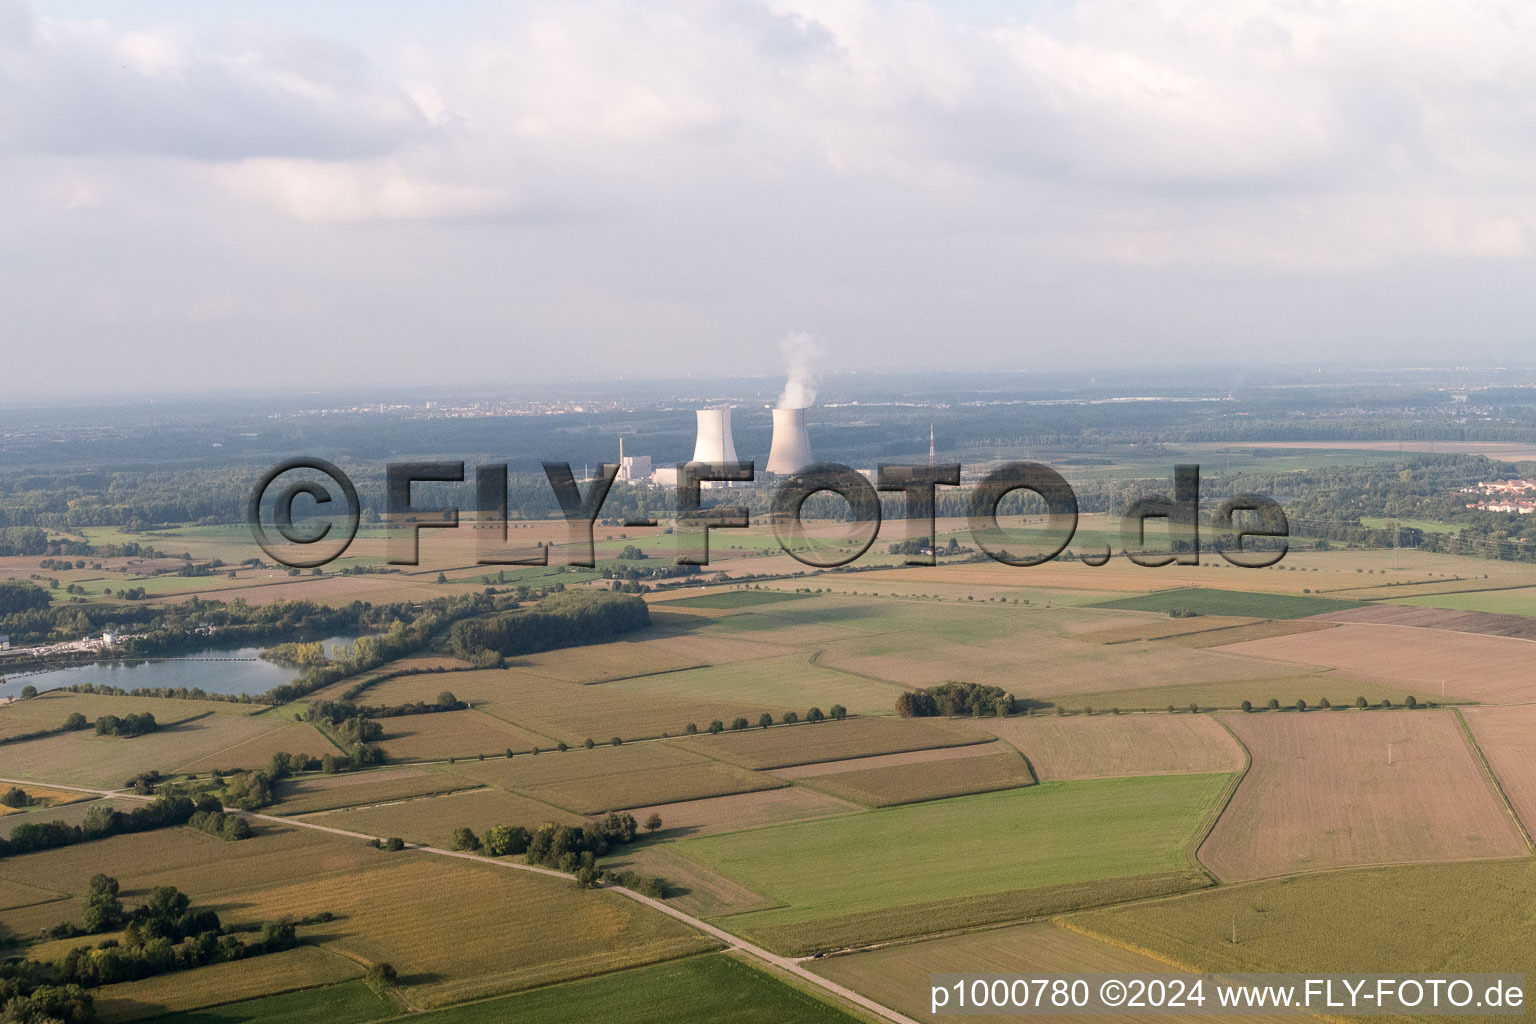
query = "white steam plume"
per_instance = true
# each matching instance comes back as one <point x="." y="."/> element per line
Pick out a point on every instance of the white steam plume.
<point x="800" y="353"/>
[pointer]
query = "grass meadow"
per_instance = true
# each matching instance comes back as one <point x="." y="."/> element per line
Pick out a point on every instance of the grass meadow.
<point x="1054" y="834"/>
<point x="351" y="1002"/>
<point x="717" y="989"/>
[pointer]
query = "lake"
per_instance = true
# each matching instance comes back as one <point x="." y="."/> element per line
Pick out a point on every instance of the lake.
<point x="215" y="669"/>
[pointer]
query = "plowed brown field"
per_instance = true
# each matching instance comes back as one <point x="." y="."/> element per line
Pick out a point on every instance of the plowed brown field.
<point x="1322" y="793"/>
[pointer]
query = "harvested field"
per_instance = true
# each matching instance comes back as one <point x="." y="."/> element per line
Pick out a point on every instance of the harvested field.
<point x="1311" y="685"/>
<point x="793" y="682"/>
<point x="636" y="654"/>
<point x="1205" y="601"/>
<point x="1322" y="794"/>
<point x="410" y="910"/>
<point x="1485" y="623"/>
<point x="855" y="764"/>
<point x="427" y="662"/>
<point x="301" y="967"/>
<point x="1294" y="924"/>
<point x="898" y="975"/>
<point x="1161" y="628"/>
<point x="204" y="867"/>
<point x="1507" y="736"/>
<point x="105" y="762"/>
<point x="864" y="874"/>
<point x="431" y="820"/>
<point x="48" y="710"/>
<point x="732" y="599"/>
<point x="695" y="889"/>
<point x="18" y="894"/>
<point x="1021" y="660"/>
<point x="989" y="770"/>
<point x="610" y="778"/>
<point x="355" y="789"/>
<point x="452" y="734"/>
<point x="72" y="813"/>
<point x="297" y="738"/>
<point x="787" y="746"/>
<point x="1256" y="631"/>
<point x="826" y="618"/>
<point x="564" y="711"/>
<point x="1105" y="746"/>
<point x="1495" y="669"/>
<point x="742" y="811"/>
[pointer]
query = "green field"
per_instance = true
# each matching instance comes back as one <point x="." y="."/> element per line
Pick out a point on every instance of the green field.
<point x="716" y="989"/>
<point x="1427" y="525"/>
<point x="1423" y="917"/>
<point x="350" y="1003"/>
<point x="735" y="599"/>
<point x="1204" y="601"/>
<point x="1519" y="601"/>
<point x="865" y="865"/>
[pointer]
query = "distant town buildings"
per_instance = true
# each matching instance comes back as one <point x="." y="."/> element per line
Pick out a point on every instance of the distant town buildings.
<point x="1517" y="496"/>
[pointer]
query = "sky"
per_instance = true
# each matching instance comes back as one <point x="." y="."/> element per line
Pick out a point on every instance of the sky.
<point x="197" y="196"/>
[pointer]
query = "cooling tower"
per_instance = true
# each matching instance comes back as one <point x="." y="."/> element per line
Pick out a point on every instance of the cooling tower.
<point x="714" y="442"/>
<point x="791" y="450"/>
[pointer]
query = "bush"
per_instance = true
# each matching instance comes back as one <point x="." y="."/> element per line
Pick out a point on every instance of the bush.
<point x="738" y="724"/>
<point x="394" y="844"/>
<point x="791" y="718"/>
<point x="465" y="840"/>
<point x="616" y="742"/>
<point x="814" y="715"/>
<point x="1301" y="705"/>
<point x="506" y="840"/>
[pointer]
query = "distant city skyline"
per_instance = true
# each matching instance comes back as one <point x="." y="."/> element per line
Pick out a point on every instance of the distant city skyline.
<point x="245" y="196"/>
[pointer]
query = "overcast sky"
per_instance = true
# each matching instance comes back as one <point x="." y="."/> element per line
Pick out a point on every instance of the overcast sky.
<point x="201" y="195"/>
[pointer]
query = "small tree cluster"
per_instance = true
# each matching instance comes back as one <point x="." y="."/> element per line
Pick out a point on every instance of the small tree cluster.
<point x="954" y="699"/>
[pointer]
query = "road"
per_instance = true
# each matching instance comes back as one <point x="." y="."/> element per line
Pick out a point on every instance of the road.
<point x="735" y="942"/>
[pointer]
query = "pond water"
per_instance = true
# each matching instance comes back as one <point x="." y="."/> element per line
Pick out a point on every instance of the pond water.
<point x="215" y="669"/>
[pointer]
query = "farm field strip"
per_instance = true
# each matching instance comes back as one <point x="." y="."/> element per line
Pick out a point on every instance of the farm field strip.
<point x="1506" y="736"/>
<point x="1492" y="669"/>
<point x="298" y="968"/>
<point x="917" y="781"/>
<point x="614" y="778"/>
<point x="1107" y="746"/>
<point x="898" y="974"/>
<point x="817" y="769"/>
<point x="820" y="742"/>
<point x="1053" y="834"/>
<point x="1415" y="792"/>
